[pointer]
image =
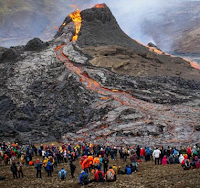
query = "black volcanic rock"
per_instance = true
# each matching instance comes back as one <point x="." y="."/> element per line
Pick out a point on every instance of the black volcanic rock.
<point x="9" y="55"/>
<point x="35" y="44"/>
<point x="99" y="27"/>
<point x="151" y="44"/>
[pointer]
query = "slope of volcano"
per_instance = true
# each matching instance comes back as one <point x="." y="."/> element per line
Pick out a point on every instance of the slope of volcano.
<point x="57" y="93"/>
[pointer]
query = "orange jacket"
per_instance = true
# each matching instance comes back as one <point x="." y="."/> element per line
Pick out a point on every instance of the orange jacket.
<point x="111" y="171"/>
<point x="96" y="161"/>
<point x="85" y="164"/>
<point x="90" y="160"/>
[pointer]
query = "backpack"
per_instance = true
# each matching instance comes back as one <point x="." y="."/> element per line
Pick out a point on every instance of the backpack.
<point x="110" y="176"/>
<point x="84" y="179"/>
<point x="115" y="168"/>
<point x="100" y="177"/>
<point x="126" y="152"/>
<point x="187" y="163"/>
<point x="62" y="175"/>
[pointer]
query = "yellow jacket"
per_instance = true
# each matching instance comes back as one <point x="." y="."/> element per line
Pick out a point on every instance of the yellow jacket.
<point x="44" y="163"/>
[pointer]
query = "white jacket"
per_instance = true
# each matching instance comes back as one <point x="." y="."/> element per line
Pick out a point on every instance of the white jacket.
<point x="181" y="158"/>
<point x="156" y="153"/>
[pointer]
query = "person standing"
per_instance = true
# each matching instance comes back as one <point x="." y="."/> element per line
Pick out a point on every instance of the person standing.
<point x="13" y="169"/>
<point x="105" y="164"/>
<point x="38" y="166"/>
<point x="133" y="159"/>
<point x="19" y="169"/>
<point x="156" y="156"/>
<point x="49" y="168"/>
<point x="72" y="168"/>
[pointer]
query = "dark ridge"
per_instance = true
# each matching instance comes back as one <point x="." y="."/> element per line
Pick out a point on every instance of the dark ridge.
<point x="35" y="44"/>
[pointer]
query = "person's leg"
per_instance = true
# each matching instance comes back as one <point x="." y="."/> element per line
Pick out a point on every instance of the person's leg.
<point x="22" y="174"/>
<point x="115" y="177"/>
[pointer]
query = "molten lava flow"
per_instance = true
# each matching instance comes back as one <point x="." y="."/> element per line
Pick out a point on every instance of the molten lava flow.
<point x="153" y="49"/>
<point x="100" y="6"/>
<point x="77" y="19"/>
<point x="194" y="64"/>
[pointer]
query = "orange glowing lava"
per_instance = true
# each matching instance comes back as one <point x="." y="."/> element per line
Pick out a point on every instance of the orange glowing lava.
<point x="194" y="65"/>
<point x="153" y="49"/>
<point x="77" y="19"/>
<point x="100" y="6"/>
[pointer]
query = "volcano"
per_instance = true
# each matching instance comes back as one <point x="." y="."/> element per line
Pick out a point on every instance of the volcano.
<point x="94" y="83"/>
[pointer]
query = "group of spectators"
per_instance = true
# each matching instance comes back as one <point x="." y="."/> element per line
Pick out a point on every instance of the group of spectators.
<point x="94" y="159"/>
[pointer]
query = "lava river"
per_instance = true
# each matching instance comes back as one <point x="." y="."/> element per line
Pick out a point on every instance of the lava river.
<point x="173" y="116"/>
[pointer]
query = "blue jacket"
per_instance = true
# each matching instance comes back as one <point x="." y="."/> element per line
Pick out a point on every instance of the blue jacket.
<point x="148" y="151"/>
<point x="83" y="173"/>
<point x="60" y="173"/>
<point x="49" y="164"/>
<point x="128" y="170"/>
<point x="175" y="152"/>
<point x="38" y="166"/>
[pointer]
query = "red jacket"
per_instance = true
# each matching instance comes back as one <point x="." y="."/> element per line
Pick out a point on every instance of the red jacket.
<point x="96" y="175"/>
<point x="142" y="152"/>
<point x="189" y="151"/>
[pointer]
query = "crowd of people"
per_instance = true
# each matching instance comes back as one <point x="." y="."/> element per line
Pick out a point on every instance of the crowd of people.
<point x="94" y="159"/>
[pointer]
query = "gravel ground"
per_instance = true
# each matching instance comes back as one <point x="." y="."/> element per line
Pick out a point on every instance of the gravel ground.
<point x="148" y="175"/>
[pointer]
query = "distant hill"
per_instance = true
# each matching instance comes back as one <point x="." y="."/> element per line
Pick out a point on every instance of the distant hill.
<point x="21" y="20"/>
<point x="176" y="27"/>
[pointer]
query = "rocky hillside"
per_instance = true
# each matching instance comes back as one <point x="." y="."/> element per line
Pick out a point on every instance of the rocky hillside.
<point x="55" y="90"/>
<point x="175" y="27"/>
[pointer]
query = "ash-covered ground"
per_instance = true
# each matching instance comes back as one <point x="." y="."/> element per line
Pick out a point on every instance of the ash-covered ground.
<point x="111" y="90"/>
